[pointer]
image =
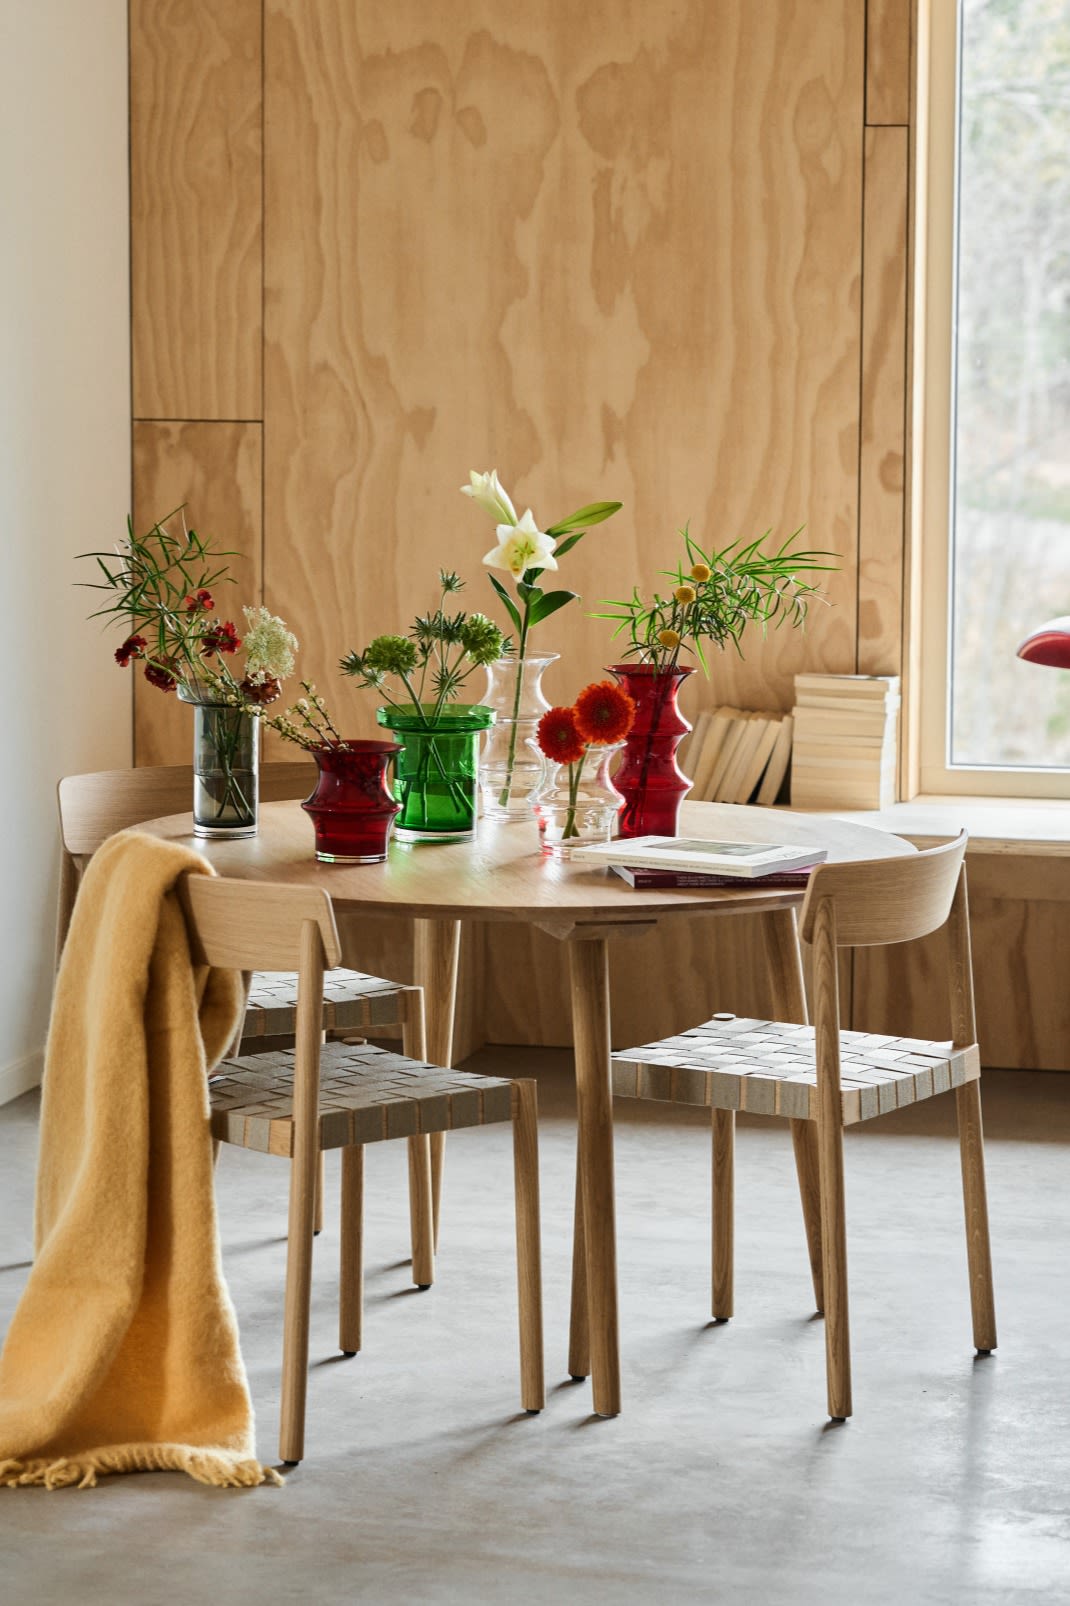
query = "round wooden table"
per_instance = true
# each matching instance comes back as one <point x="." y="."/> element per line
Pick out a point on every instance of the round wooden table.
<point x="502" y="876"/>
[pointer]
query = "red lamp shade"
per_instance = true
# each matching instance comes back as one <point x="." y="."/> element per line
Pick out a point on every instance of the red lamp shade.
<point x="1050" y="644"/>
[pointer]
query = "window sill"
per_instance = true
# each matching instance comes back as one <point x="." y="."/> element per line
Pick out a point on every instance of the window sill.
<point x="997" y="825"/>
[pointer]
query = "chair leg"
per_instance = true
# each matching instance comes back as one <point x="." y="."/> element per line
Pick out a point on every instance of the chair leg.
<point x="528" y="1244"/>
<point x="421" y="1220"/>
<point x="834" y="1259"/>
<point x="298" y="1300"/>
<point x="579" y="1336"/>
<point x="423" y="1205"/>
<point x="724" y="1135"/>
<point x="351" y="1301"/>
<point x="321" y="1185"/>
<point x="978" y="1246"/>
<point x="807" y="1169"/>
<point x="438" y="1161"/>
<point x="780" y="937"/>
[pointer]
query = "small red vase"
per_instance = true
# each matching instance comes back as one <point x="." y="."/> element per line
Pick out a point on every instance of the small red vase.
<point x="649" y="779"/>
<point x="352" y="808"/>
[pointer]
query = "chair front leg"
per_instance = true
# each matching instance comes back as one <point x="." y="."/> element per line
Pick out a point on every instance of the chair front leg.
<point x="724" y="1143"/>
<point x="975" y="1200"/>
<point x="834" y="1259"/>
<point x="351" y="1301"/>
<point x="298" y="1300"/>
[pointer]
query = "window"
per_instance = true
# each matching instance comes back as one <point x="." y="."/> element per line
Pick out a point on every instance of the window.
<point x="998" y="435"/>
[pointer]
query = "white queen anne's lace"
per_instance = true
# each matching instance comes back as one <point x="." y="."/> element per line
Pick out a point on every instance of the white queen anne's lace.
<point x="269" y="647"/>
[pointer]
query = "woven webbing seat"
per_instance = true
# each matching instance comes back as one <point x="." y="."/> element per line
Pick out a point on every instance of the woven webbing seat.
<point x="770" y="1068"/>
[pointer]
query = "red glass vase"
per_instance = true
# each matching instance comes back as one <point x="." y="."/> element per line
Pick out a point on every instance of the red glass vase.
<point x="649" y="779"/>
<point x="352" y="808"/>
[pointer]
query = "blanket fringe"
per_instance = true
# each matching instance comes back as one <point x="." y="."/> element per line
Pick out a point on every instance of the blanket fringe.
<point x="220" y="1469"/>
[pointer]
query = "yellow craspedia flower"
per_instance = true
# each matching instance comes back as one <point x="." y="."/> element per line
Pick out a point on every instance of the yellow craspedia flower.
<point x="700" y="572"/>
<point x="669" y="638"/>
<point x="685" y="593"/>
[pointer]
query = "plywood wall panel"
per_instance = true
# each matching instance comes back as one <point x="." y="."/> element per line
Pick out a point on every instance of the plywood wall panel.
<point x="196" y="208"/>
<point x="888" y="61"/>
<point x="612" y="250"/>
<point x="214" y="469"/>
<point x="882" y="486"/>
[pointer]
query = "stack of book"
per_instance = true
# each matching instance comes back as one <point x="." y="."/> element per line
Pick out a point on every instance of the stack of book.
<point x="657" y="861"/>
<point x="845" y="741"/>
<point x="734" y="756"/>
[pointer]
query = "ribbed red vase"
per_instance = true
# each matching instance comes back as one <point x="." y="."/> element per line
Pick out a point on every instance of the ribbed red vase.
<point x="352" y="808"/>
<point x="649" y="779"/>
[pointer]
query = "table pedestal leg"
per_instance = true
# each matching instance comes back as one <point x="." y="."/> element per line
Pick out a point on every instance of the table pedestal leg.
<point x="589" y="970"/>
<point x="436" y="950"/>
<point x="781" y="939"/>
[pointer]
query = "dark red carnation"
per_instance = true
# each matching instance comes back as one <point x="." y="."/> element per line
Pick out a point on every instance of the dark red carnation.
<point x="558" y="737"/>
<point x="262" y="691"/>
<point x="199" y="602"/>
<point x="604" y="713"/>
<point x="161" y="675"/>
<point x="220" y="638"/>
<point x="132" y="647"/>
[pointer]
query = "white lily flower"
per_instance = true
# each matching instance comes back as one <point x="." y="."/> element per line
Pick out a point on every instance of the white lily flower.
<point x="486" y="490"/>
<point x="522" y="546"/>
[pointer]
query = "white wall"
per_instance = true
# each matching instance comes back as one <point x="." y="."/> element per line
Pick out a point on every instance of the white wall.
<point x="64" y="456"/>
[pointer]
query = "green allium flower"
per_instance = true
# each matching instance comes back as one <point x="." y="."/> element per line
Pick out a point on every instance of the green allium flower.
<point x="481" y="638"/>
<point x="389" y="655"/>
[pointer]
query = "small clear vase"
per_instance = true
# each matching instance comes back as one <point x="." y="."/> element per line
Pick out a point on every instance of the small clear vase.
<point x="225" y="768"/>
<point x="573" y="809"/>
<point x="511" y="767"/>
<point x="435" y="778"/>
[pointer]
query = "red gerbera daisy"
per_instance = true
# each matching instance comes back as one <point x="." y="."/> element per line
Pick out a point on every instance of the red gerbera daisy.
<point x="132" y="647"/>
<point x="604" y="713"/>
<point x="558" y="737"/>
<point x="199" y="602"/>
<point x="161" y="675"/>
<point x="220" y="638"/>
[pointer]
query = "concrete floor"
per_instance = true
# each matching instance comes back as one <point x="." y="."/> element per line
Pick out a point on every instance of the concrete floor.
<point x="722" y="1480"/>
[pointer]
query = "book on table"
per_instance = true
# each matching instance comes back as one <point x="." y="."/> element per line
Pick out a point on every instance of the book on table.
<point x="741" y="860"/>
<point x="636" y="876"/>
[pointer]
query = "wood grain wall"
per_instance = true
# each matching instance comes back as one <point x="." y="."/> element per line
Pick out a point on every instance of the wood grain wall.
<point x="659" y="253"/>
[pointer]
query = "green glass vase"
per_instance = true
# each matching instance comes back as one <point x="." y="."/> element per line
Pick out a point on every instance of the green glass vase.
<point x="435" y="778"/>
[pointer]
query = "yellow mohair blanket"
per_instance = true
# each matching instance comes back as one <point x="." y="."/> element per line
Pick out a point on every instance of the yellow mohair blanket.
<point x="123" y="1353"/>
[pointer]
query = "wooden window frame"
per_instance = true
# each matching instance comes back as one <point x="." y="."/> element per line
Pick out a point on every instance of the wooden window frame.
<point x="926" y="766"/>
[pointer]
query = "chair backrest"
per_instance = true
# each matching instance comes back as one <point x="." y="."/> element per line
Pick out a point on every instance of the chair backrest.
<point x="887" y="900"/>
<point x="93" y="807"/>
<point x="256" y="925"/>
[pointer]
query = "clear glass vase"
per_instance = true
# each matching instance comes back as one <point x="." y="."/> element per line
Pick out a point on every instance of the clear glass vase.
<point x="225" y="768"/>
<point x="511" y="767"/>
<point x="578" y="803"/>
<point x="436" y="769"/>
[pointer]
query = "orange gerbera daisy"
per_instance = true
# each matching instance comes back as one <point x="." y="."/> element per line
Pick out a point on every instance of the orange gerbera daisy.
<point x="558" y="737"/>
<point x="604" y="713"/>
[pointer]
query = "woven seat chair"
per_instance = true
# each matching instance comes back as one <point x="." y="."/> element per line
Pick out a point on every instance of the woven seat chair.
<point x="333" y="1095"/>
<point x="837" y="1078"/>
<point x="94" y="807"/>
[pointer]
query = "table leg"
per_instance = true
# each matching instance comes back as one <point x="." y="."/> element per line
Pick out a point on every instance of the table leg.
<point x="589" y="972"/>
<point x="579" y="1336"/>
<point x="437" y="946"/>
<point x="780" y="936"/>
